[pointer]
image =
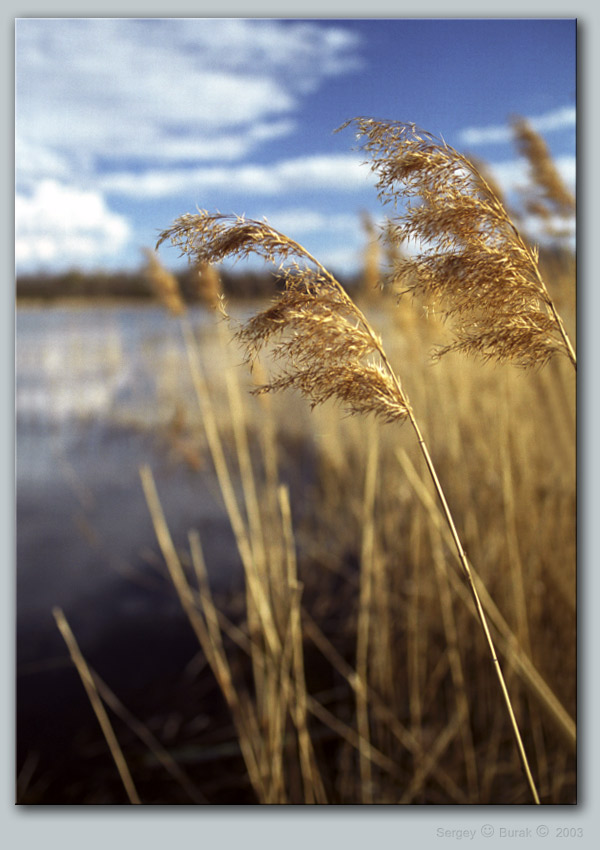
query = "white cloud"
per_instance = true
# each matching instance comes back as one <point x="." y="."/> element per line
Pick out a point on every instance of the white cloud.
<point x="557" y="119"/>
<point x="173" y="89"/>
<point x="130" y="105"/>
<point x="345" y="259"/>
<point x="513" y="175"/>
<point x="343" y="172"/>
<point x="298" y="220"/>
<point x="64" y="226"/>
<point x="545" y="231"/>
<point x="494" y="134"/>
<point x="36" y="160"/>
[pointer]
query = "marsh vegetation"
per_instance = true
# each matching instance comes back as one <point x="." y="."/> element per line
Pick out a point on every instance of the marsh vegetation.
<point x="398" y="620"/>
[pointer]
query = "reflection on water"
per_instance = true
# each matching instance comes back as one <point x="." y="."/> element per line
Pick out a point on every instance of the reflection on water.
<point x="96" y="362"/>
<point x="100" y="392"/>
<point x="94" y="386"/>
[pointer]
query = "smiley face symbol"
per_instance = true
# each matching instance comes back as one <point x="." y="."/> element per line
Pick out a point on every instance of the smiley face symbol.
<point x="487" y="830"/>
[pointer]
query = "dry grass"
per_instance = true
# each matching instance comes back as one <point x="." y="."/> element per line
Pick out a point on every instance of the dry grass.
<point x="372" y="258"/>
<point x="434" y="735"/>
<point x="330" y="351"/>
<point x="388" y="714"/>
<point x="208" y="285"/>
<point x="98" y="705"/>
<point x="356" y="671"/>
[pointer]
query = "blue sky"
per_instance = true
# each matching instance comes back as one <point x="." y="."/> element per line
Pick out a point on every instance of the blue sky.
<point x="124" y="124"/>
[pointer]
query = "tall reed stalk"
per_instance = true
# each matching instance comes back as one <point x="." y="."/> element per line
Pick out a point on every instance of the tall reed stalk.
<point x="326" y="349"/>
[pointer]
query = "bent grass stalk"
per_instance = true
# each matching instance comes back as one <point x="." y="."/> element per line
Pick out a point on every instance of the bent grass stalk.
<point x="256" y="751"/>
<point x="364" y="610"/>
<point x="314" y="791"/>
<point x="208" y="635"/>
<point x="141" y="730"/>
<point x="91" y="690"/>
<point x="379" y="707"/>
<point x="332" y="352"/>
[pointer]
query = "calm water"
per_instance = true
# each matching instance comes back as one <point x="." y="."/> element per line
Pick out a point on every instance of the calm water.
<point x="99" y="392"/>
<point x="94" y="388"/>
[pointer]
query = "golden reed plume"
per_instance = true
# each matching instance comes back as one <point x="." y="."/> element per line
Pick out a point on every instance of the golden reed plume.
<point x="552" y="196"/>
<point x="164" y="284"/>
<point x="208" y="285"/>
<point x="330" y="349"/>
<point x="472" y="263"/>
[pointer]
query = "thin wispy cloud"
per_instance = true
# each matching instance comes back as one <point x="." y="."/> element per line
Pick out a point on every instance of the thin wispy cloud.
<point x="176" y="90"/>
<point x="342" y="172"/>
<point x="122" y="124"/>
<point x="134" y="106"/>
<point x="302" y="220"/>
<point x="513" y="175"/>
<point x="557" y="119"/>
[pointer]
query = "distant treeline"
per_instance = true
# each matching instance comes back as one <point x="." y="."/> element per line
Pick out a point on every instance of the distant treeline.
<point x="136" y="285"/>
<point x="235" y="284"/>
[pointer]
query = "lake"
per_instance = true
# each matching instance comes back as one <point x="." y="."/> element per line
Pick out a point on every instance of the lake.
<point x="100" y="391"/>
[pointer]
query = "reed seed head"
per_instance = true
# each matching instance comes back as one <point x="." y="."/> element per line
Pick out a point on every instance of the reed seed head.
<point x="319" y="341"/>
<point x="208" y="285"/>
<point x="472" y="263"/>
<point x="547" y="195"/>
<point x="212" y="237"/>
<point x="164" y="284"/>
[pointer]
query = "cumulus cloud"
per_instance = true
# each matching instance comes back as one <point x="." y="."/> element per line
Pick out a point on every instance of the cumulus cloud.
<point x="557" y="119"/>
<point x="65" y="226"/>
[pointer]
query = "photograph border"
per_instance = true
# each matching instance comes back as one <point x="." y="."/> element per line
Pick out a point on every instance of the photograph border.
<point x="350" y="826"/>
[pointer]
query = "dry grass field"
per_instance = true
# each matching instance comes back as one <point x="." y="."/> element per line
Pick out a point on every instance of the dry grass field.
<point x="352" y="666"/>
